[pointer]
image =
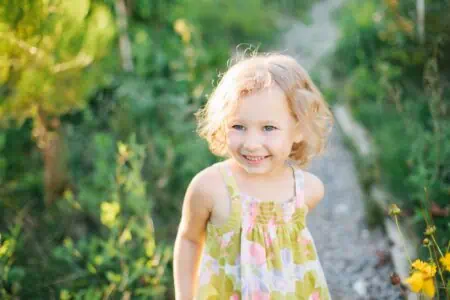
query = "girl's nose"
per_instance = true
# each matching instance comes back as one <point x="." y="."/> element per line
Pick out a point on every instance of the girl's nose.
<point x="252" y="142"/>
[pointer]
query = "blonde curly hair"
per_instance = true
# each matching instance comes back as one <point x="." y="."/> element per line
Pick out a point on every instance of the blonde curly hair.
<point x="259" y="71"/>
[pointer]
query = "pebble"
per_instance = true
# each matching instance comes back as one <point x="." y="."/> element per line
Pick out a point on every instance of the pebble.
<point x="360" y="287"/>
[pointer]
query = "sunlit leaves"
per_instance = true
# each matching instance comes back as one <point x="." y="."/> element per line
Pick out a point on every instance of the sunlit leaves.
<point x="49" y="54"/>
<point x="77" y="10"/>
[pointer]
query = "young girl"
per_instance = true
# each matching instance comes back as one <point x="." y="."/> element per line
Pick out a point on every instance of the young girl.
<point x="243" y="231"/>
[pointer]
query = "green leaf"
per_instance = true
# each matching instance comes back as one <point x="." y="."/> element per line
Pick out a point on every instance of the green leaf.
<point x="77" y="10"/>
<point x="113" y="277"/>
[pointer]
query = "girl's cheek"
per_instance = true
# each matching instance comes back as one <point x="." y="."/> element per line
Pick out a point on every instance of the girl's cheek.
<point x="274" y="140"/>
<point x="277" y="143"/>
<point x="233" y="138"/>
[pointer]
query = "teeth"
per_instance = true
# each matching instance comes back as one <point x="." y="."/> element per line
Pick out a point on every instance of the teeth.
<point x="254" y="158"/>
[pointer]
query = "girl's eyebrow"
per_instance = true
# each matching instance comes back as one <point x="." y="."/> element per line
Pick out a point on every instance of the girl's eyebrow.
<point x="269" y="121"/>
<point x="262" y="121"/>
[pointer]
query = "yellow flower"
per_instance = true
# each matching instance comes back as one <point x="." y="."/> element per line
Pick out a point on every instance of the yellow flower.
<point x="422" y="278"/>
<point x="415" y="281"/>
<point x="5" y="247"/>
<point x="109" y="212"/>
<point x="445" y="261"/>
<point x="419" y="265"/>
<point x="182" y="28"/>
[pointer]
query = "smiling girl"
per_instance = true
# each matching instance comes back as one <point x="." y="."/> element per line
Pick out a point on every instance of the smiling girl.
<point x="243" y="232"/>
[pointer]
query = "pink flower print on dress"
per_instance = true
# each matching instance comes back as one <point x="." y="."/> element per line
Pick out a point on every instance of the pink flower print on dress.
<point x="258" y="295"/>
<point x="303" y="241"/>
<point x="300" y="199"/>
<point x="314" y="296"/>
<point x="235" y="296"/>
<point x="257" y="254"/>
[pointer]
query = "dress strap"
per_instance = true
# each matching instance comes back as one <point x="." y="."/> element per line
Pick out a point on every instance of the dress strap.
<point x="229" y="181"/>
<point x="299" y="179"/>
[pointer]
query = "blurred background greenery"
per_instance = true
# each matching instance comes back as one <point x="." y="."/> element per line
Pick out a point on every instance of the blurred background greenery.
<point x="98" y="145"/>
<point x="98" y="136"/>
<point x="394" y="75"/>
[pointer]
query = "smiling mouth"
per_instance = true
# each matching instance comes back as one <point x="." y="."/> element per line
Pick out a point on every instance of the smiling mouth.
<point x="253" y="158"/>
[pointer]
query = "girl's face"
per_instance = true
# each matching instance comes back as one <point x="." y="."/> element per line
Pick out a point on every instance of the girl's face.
<point x="261" y="132"/>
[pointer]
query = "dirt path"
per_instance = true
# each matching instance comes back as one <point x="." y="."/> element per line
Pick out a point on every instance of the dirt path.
<point x="347" y="249"/>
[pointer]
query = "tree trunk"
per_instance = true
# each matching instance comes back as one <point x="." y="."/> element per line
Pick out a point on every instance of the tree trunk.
<point x="420" y="6"/>
<point x="50" y="140"/>
<point x="124" y="41"/>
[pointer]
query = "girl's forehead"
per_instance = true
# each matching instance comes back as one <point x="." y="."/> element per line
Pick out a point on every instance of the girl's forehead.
<point x="268" y="104"/>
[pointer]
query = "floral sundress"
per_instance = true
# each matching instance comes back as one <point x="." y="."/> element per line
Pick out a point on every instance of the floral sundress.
<point x="262" y="251"/>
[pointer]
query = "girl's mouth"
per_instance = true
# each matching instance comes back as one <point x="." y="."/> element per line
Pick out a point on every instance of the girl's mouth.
<point x="255" y="159"/>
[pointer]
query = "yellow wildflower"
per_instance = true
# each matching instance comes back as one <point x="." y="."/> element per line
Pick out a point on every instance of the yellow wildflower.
<point x="422" y="278"/>
<point x="5" y="247"/>
<point x="109" y="212"/>
<point x="445" y="261"/>
<point x="182" y="28"/>
<point x="419" y="265"/>
<point x="415" y="281"/>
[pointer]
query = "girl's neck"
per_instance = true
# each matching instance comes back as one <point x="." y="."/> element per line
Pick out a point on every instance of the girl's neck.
<point x="277" y="174"/>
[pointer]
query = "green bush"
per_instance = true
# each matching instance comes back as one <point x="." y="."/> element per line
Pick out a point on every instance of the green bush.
<point x="118" y="256"/>
<point x="397" y="87"/>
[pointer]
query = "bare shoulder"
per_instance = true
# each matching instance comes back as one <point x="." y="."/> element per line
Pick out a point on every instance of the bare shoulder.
<point x="204" y="185"/>
<point x="314" y="189"/>
<point x="198" y="204"/>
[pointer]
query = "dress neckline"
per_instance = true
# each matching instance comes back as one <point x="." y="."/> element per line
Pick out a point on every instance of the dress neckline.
<point x="251" y="199"/>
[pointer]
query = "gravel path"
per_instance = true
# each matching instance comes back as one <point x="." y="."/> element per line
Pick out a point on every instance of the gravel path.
<point x="347" y="249"/>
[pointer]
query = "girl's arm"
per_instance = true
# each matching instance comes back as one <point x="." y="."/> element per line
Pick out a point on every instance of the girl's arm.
<point x="314" y="190"/>
<point x="190" y="237"/>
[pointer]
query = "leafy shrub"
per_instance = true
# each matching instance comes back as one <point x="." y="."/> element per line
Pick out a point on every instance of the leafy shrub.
<point x="398" y="88"/>
<point x="110" y="232"/>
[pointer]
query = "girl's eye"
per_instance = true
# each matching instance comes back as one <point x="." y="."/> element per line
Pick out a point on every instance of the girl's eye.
<point x="269" y="128"/>
<point x="238" y="127"/>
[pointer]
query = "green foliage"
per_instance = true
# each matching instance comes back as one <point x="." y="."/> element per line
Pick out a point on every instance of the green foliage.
<point x="110" y="233"/>
<point x="398" y="87"/>
<point x="122" y="259"/>
<point x="48" y="50"/>
<point x="118" y="256"/>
